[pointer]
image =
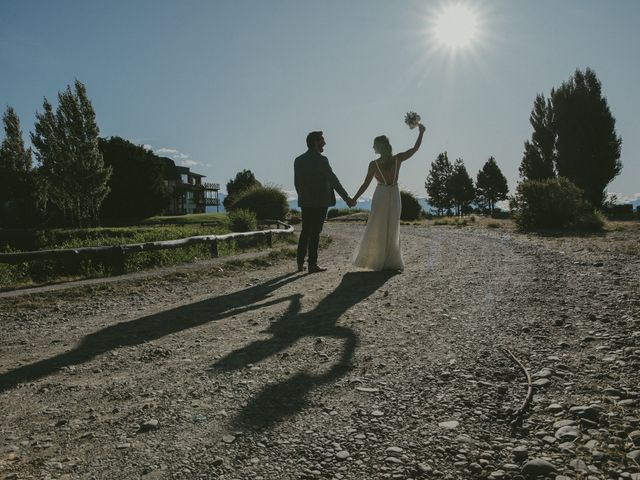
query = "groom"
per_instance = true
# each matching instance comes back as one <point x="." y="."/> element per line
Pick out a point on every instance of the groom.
<point x="315" y="183"/>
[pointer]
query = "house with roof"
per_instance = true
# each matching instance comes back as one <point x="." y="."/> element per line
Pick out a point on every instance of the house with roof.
<point x="190" y="194"/>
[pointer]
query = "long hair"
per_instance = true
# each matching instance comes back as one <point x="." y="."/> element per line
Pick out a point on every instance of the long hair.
<point x="384" y="148"/>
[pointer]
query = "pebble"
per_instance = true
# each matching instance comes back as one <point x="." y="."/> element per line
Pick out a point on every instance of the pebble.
<point x="450" y="425"/>
<point x="537" y="466"/>
<point x="563" y="423"/>
<point x="579" y="465"/>
<point x="520" y="453"/>
<point x="541" y="382"/>
<point x="228" y="438"/>
<point x="567" y="433"/>
<point x="342" y="455"/>
<point x="555" y="408"/>
<point x="149" y="425"/>
<point x="634" y="455"/>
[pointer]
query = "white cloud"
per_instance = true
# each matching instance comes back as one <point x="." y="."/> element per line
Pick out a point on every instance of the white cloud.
<point x="148" y="147"/>
<point x="166" y="151"/>
<point x="176" y="154"/>
<point x="189" y="163"/>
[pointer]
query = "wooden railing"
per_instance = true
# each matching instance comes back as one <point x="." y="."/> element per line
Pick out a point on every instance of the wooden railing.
<point x="117" y="254"/>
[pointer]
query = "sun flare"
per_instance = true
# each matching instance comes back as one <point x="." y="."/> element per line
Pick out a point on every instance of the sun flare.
<point x="456" y="26"/>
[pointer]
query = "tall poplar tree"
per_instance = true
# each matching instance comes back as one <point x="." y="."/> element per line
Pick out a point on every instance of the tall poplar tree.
<point x="436" y="184"/>
<point x="539" y="153"/>
<point x="491" y="185"/>
<point x="17" y="186"/>
<point x="588" y="148"/>
<point x="72" y="166"/>
<point x="460" y="187"/>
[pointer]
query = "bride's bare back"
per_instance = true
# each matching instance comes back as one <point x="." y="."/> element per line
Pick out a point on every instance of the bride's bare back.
<point x="386" y="170"/>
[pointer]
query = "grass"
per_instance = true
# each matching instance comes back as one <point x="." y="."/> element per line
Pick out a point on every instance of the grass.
<point x="195" y="218"/>
<point x="157" y="229"/>
<point x="282" y="251"/>
<point x="455" y="221"/>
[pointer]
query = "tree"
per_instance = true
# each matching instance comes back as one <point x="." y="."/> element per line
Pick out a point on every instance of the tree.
<point x="491" y="185"/>
<point x="17" y="177"/>
<point x="539" y="154"/>
<point x="588" y="148"/>
<point x="137" y="188"/>
<point x="436" y="184"/>
<point x="244" y="180"/>
<point x="460" y="187"/>
<point x="71" y="163"/>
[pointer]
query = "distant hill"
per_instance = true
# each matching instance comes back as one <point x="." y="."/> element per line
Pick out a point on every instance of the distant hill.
<point x="363" y="204"/>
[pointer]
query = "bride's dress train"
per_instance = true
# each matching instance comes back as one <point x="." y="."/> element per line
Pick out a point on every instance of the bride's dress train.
<point x="380" y="245"/>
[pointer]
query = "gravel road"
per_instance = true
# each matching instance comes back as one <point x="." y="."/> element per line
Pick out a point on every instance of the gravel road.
<point x="347" y="374"/>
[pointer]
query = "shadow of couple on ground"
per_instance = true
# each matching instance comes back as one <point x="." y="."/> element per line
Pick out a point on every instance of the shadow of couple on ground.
<point x="275" y="401"/>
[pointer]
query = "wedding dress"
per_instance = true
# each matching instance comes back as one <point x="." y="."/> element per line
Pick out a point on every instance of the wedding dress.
<point x="380" y="245"/>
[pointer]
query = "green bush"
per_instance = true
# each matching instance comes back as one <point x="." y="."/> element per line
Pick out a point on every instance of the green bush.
<point x="411" y="209"/>
<point x="553" y="204"/>
<point x="268" y="203"/>
<point x="242" y="220"/>
<point x="294" y="217"/>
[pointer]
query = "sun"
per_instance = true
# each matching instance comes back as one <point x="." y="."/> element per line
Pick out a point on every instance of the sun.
<point x="456" y="26"/>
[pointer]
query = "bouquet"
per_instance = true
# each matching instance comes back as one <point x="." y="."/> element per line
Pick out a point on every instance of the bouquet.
<point x="412" y="119"/>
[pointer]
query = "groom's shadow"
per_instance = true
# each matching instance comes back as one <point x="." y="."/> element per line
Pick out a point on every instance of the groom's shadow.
<point x="280" y="400"/>
<point x="150" y="327"/>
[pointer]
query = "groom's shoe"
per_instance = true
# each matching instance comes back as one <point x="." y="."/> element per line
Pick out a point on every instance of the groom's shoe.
<point x="316" y="269"/>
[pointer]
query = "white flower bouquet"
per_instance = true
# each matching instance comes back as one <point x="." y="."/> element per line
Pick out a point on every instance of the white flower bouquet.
<point x="412" y="119"/>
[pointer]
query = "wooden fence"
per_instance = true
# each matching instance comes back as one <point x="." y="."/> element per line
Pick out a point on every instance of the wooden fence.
<point x="116" y="255"/>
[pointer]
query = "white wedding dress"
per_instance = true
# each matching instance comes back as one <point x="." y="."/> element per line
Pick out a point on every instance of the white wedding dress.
<point x="380" y="245"/>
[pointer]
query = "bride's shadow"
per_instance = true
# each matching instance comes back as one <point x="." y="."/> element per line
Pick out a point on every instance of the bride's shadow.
<point x="282" y="399"/>
<point x="150" y="327"/>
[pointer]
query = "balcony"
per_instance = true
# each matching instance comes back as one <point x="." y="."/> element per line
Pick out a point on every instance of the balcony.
<point x="211" y="186"/>
<point x="211" y="202"/>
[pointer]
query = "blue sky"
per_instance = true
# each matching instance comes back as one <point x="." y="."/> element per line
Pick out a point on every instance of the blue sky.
<point x="225" y="85"/>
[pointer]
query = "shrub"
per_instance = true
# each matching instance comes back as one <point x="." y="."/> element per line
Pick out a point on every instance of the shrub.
<point x="553" y="204"/>
<point x="411" y="209"/>
<point x="242" y="220"/>
<point x="294" y="217"/>
<point x="268" y="203"/>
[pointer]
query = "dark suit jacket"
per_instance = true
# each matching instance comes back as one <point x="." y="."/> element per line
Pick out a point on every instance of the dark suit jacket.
<point x="315" y="181"/>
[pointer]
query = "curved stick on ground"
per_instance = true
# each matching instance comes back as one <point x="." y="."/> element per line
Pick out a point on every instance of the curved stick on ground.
<point x="519" y="414"/>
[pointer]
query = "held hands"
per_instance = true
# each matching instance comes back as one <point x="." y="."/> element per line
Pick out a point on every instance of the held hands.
<point x="421" y="127"/>
<point x="351" y="203"/>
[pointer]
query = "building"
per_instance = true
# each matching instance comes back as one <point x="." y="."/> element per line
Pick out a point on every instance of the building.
<point x="190" y="193"/>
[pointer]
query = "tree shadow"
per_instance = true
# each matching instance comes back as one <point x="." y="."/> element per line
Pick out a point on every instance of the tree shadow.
<point x="151" y="327"/>
<point x="280" y="400"/>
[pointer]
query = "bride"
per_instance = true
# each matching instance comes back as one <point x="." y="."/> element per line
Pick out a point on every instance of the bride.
<point x="380" y="245"/>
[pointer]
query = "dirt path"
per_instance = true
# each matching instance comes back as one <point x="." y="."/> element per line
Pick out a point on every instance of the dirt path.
<point x="345" y="374"/>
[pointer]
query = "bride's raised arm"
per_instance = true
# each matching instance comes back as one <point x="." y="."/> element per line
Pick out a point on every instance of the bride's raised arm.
<point x="365" y="184"/>
<point x="409" y="153"/>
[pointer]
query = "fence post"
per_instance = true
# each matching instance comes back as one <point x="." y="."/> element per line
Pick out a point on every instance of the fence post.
<point x="117" y="260"/>
<point x="270" y="239"/>
<point x="214" y="248"/>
